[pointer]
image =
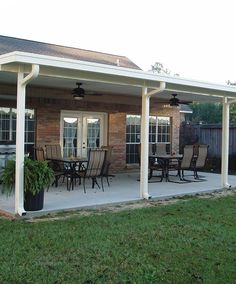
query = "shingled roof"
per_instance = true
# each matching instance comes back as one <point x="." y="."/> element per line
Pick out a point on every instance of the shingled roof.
<point x="10" y="44"/>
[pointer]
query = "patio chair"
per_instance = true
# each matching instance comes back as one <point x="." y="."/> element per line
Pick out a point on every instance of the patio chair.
<point x="107" y="163"/>
<point x="40" y="156"/>
<point x="94" y="167"/>
<point x="200" y="161"/>
<point x="156" y="164"/>
<point x="39" y="153"/>
<point x="184" y="164"/>
<point x="53" y="151"/>
<point x="162" y="151"/>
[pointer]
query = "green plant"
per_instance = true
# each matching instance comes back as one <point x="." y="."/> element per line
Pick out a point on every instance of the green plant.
<point x="37" y="176"/>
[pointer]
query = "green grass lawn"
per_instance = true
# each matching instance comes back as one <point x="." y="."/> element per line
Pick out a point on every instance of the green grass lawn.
<point x="191" y="241"/>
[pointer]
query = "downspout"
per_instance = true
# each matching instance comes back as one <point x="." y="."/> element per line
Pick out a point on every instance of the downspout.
<point x="225" y="143"/>
<point x="145" y="138"/>
<point x="20" y="136"/>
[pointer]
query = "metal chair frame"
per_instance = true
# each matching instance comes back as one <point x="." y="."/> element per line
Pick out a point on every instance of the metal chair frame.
<point x="107" y="163"/>
<point x="94" y="167"/>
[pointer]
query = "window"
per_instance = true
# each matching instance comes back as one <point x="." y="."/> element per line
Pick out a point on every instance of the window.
<point x="8" y="126"/>
<point x="133" y="125"/>
<point x="159" y="132"/>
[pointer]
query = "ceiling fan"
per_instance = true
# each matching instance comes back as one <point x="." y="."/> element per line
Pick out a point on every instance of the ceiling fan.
<point x="174" y="101"/>
<point x="79" y="93"/>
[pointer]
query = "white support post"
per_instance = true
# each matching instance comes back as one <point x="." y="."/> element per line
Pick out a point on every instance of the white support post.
<point x="145" y="139"/>
<point x="225" y="145"/>
<point x="20" y="136"/>
<point x="20" y="144"/>
<point x="144" y="145"/>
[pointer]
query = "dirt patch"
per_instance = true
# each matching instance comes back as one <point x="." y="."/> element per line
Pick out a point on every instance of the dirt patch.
<point x="218" y="194"/>
<point x="6" y="215"/>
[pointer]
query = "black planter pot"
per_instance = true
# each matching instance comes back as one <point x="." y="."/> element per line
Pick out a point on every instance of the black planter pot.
<point x="34" y="202"/>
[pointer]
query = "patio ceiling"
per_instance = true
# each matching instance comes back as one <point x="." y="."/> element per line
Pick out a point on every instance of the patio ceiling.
<point x="63" y="73"/>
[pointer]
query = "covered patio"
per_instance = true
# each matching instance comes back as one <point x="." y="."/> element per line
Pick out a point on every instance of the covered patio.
<point x="27" y="69"/>
<point x="124" y="188"/>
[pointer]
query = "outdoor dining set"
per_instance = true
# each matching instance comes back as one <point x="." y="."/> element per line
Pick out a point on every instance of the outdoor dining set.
<point x="169" y="167"/>
<point x="73" y="169"/>
<point x="193" y="159"/>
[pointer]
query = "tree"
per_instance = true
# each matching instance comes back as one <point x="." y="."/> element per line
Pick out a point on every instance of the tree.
<point x="228" y="82"/>
<point x="212" y="112"/>
<point x="233" y="105"/>
<point x="206" y="112"/>
<point x="160" y="69"/>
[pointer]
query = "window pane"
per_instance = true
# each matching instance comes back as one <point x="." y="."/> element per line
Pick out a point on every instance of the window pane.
<point x="159" y="131"/>
<point x="70" y="137"/>
<point x="132" y="138"/>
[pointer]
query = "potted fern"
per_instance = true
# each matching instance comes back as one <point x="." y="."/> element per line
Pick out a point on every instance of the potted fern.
<point x="37" y="176"/>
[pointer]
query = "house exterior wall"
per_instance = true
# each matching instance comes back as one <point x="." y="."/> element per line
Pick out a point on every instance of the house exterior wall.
<point x="174" y="114"/>
<point x="117" y="139"/>
<point x="48" y="104"/>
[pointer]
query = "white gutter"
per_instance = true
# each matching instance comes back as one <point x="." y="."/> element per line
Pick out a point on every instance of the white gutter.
<point x="33" y="74"/>
<point x="20" y="136"/>
<point x="145" y="138"/>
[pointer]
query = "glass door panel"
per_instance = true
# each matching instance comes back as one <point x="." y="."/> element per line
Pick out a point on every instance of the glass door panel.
<point x="91" y="134"/>
<point x="70" y="126"/>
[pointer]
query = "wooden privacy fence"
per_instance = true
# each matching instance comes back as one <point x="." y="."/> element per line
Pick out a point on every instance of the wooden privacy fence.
<point x="210" y="134"/>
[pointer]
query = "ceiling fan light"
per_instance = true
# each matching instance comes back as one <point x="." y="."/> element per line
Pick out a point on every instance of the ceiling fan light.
<point x="78" y="97"/>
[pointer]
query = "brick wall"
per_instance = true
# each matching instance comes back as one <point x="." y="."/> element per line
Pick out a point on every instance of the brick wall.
<point x="117" y="139"/>
<point x="48" y="104"/>
<point x="47" y="125"/>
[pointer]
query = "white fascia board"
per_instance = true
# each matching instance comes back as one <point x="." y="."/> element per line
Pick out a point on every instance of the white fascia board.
<point x="185" y="111"/>
<point x="115" y="74"/>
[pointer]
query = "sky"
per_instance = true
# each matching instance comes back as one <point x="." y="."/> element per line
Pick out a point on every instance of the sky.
<point x="194" y="38"/>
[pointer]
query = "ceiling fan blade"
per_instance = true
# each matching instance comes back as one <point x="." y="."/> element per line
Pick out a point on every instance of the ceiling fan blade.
<point x="185" y="102"/>
<point x="79" y="92"/>
<point x="91" y="93"/>
<point x="174" y="101"/>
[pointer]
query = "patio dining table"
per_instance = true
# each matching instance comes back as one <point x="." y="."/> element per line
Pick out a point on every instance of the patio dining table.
<point x="166" y="161"/>
<point x="72" y="167"/>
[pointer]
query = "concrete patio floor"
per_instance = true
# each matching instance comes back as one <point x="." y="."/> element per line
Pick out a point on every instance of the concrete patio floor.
<point x="123" y="188"/>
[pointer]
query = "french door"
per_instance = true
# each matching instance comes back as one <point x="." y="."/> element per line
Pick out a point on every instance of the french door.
<point x="81" y="131"/>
